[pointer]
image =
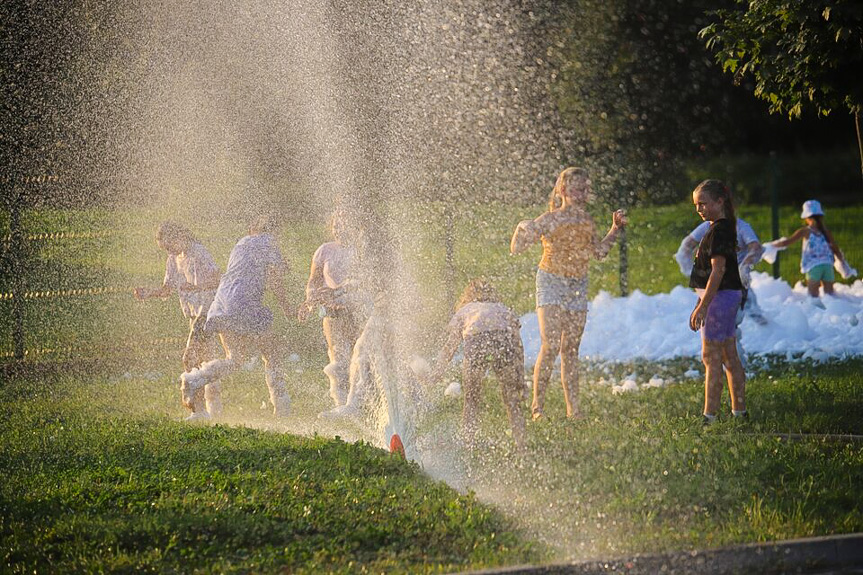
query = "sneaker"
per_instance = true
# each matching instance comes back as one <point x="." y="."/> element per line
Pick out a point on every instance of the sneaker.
<point x="741" y="416"/>
<point x="708" y="421"/>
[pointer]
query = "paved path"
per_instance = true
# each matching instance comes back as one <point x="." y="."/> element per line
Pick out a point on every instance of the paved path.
<point x="814" y="556"/>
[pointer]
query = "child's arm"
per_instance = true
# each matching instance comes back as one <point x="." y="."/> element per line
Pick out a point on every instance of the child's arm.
<point x="443" y="358"/>
<point x="314" y="290"/>
<point x="754" y="251"/>
<point x="618" y="222"/>
<point x="685" y="254"/>
<point x="696" y="320"/>
<point x="795" y="237"/>
<point x="276" y="282"/>
<point x="142" y="293"/>
<point x="527" y="233"/>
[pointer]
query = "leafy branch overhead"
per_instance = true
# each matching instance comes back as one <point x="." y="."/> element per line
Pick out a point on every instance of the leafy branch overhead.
<point x="801" y="54"/>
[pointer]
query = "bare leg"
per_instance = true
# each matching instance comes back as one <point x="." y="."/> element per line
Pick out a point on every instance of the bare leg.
<point x="472" y="375"/>
<point x="569" y="360"/>
<point x="550" y="331"/>
<point x="735" y="375"/>
<point x="828" y="287"/>
<point x="711" y="355"/>
<point x="812" y="287"/>
<point x="511" y="377"/>
<point x="274" y="375"/>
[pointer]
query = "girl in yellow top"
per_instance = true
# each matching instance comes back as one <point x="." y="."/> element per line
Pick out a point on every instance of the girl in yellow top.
<point x="569" y="240"/>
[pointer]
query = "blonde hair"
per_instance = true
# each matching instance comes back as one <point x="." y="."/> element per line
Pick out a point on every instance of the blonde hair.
<point x="477" y="289"/>
<point x="563" y="180"/>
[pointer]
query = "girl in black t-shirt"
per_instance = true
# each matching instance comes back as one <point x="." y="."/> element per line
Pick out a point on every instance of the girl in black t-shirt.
<point x="716" y="279"/>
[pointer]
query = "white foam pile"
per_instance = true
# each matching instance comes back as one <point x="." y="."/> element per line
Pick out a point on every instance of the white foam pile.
<point x="656" y="327"/>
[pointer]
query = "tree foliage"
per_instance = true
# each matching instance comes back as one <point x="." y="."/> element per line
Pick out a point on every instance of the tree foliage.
<point x="801" y="53"/>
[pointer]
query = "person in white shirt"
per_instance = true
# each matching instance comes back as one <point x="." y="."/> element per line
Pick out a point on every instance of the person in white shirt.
<point x="490" y="335"/>
<point x="243" y="322"/>
<point x="191" y="272"/>
<point x="333" y="287"/>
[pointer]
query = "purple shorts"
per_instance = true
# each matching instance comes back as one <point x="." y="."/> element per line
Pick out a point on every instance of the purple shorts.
<point x="719" y="324"/>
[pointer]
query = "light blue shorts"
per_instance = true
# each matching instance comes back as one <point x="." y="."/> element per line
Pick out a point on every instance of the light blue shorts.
<point x="821" y="273"/>
<point x="568" y="293"/>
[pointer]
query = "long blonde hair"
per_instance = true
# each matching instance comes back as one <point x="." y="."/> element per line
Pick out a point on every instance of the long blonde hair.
<point x="563" y="180"/>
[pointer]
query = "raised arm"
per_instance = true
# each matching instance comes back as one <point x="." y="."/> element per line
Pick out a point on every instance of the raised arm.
<point x="754" y="251"/>
<point x="527" y="233"/>
<point x="618" y="222"/>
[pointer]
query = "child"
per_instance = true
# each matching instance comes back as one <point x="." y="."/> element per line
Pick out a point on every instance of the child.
<point x="489" y="332"/>
<point x="190" y="271"/>
<point x="332" y="286"/>
<point x="717" y="281"/>
<point x="238" y="315"/>
<point x="819" y="249"/>
<point x="749" y="252"/>
<point x="569" y="239"/>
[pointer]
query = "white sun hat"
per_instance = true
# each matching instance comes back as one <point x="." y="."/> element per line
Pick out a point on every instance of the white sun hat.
<point x="811" y="208"/>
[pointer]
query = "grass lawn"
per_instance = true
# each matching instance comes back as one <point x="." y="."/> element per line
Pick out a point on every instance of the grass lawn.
<point x="100" y="475"/>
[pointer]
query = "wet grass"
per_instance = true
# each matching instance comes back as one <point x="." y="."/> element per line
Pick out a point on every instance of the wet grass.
<point x="100" y="476"/>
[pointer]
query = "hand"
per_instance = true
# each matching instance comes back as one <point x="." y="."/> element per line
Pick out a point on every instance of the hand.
<point x="304" y="310"/>
<point x="618" y="219"/>
<point x="696" y="320"/>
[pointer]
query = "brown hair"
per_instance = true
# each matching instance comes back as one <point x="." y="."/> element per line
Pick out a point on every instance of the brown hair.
<point x="169" y="231"/>
<point x="563" y="180"/>
<point x="477" y="289"/>
<point x="717" y="190"/>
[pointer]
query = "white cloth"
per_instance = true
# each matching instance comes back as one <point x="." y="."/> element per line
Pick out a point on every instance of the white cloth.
<point x="844" y="269"/>
<point x="194" y="266"/>
<point x="771" y="250"/>
<point x="478" y="317"/>
<point x="241" y="289"/>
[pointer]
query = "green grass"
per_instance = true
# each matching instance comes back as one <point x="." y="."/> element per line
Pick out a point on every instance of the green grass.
<point x="100" y="475"/>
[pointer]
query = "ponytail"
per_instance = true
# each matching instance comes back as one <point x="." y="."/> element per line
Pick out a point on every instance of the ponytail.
<point x="717" y="190"/>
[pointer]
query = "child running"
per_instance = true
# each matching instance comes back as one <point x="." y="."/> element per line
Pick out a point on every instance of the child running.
<point x="819" y="249"/>
<point x="716" y="279"/>
<point x="490" y="334"/>
<point x="332" y="285"/>
<point x="190" y="271"/>
<point x="240" y="318"/>
<point x="569" y="240"/>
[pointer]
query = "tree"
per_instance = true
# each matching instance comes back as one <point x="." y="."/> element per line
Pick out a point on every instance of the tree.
<point x="802" y="54"/>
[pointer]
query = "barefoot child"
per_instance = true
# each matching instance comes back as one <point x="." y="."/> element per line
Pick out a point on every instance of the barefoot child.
<point x="716" y="279"/>
<point x="241" y="319"/>
<point x="190" y="271"/>
<point x="569" y="240"/>
<point x="332" y="285"/>
<point x="489" y="332"/>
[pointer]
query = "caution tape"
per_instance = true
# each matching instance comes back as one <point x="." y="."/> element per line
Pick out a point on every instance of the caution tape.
<point x="44" y="294"/>
<point x="51" y="236"/>
<point x="94" y="351"/>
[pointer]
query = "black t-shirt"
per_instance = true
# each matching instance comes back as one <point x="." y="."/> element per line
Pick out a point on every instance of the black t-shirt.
<point x="720" y="240"/>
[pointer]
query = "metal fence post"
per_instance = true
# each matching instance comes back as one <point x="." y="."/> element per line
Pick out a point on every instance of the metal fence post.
<point x="774" y="207"/>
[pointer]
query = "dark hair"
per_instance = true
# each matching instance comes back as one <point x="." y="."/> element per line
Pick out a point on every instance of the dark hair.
<point x="717" y="190"/>
<point x="172" y="231"/>
<point x="477" y="289"/>
<point x="819" y="223"/>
